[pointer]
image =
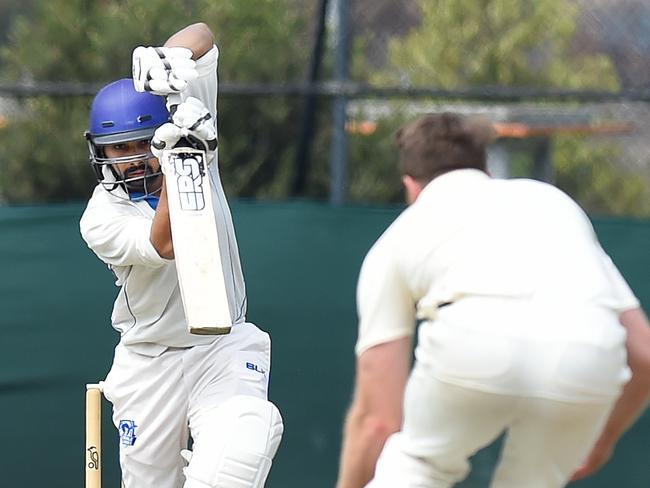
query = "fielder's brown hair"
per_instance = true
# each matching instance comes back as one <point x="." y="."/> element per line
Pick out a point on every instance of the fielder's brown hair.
<point x="437" y="143"/>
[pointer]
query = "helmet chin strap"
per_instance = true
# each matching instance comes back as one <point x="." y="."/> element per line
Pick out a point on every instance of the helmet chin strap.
<point x="116" y="178"/>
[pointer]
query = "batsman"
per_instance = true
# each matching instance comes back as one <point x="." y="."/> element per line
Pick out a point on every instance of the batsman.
<point x="166" y="384"/>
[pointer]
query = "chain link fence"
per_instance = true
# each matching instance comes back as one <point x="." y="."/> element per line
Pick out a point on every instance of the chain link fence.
<point x="565" y="80"/>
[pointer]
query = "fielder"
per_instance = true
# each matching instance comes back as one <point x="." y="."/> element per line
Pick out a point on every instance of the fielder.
<point x="524" y="322"/>
<point x="166" y="384"/>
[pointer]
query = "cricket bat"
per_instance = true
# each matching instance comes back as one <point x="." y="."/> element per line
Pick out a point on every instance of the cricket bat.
<point x="196" y="242"/>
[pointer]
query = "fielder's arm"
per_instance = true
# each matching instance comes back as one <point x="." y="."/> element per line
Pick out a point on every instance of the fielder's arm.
<point x="634" y="398"/>
<point x="376" y="410"/>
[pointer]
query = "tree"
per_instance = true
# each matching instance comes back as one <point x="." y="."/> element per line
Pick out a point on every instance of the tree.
<point x="507" y="43"/>
<point x="9" y="8"/>
<point x="450" y="44"/>
<point x="496" y="42"/>
<point x="42" y="152"/>
<point x="585" y="171"/>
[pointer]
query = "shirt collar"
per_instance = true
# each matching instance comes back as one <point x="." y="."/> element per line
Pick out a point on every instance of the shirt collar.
<point x="453" y="178"/>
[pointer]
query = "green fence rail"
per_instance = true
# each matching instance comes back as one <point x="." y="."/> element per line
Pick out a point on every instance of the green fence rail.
<point x="301" y="261"/>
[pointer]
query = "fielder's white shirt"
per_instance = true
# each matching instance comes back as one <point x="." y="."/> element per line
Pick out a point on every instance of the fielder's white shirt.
<point x="148" y="311"/>
<point x="498" y="250"/>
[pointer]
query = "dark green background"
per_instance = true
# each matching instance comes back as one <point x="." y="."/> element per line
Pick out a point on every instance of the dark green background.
<point x="301" y="262"/>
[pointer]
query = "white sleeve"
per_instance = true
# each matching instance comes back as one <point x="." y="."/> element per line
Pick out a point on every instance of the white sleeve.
<point x="205" y="87"/>
<point x="622" y="297"/>
<point x="617" y="294"/>
<point x="119" y="239"/>
<point x="384" y="303"/>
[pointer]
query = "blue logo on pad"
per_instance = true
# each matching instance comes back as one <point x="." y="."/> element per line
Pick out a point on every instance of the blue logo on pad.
<point x="127" y="432"/>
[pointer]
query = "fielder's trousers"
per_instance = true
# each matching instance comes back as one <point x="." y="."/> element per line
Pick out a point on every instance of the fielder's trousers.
<point x="470" y="384"/>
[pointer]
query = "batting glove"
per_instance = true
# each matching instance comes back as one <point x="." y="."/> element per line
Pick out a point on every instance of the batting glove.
<point x="196" y="123"/>
<point x="191" y="120"/>
<point x="162" y="70"/>
<point x="165" y="137"/>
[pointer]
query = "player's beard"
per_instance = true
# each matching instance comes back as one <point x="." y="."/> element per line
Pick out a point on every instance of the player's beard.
<point x="142" y="178"/>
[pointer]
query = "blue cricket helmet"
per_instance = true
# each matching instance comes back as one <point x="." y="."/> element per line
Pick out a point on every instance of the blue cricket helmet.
<point x="121" y="114"/>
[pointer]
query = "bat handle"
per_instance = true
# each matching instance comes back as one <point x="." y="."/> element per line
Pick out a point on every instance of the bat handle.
<point x="173" y="101"/>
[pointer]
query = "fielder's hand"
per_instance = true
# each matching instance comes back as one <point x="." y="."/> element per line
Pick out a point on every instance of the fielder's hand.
<point x="162" y="70"/>
<point x="599" y="456"/>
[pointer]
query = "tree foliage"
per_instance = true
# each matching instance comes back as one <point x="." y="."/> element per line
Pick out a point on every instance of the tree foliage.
<point x="496" y="42"/>
<point x="8" y="9"/>
<point x="586" y="171"/>
<point x="509" y="43"/>
<point x="42" y="152"/>
<point x="522" y="43"/>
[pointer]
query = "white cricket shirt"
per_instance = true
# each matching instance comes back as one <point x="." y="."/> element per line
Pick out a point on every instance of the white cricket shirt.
<point x="148" y="311"/>
<point x="497" y="250"/>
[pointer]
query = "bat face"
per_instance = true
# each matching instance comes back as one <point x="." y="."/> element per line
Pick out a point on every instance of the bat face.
<point x="196" y="242"/>
<point x="189" y="173"/>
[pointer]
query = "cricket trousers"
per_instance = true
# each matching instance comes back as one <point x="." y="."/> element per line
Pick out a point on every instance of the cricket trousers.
<point x="469" y="386"/>
<point x="159" y="402"/>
